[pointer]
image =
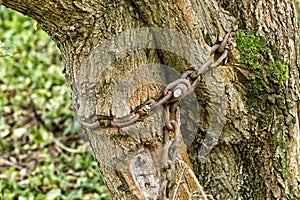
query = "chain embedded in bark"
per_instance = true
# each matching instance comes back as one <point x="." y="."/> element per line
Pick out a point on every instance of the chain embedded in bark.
<point x="170" y="185"/>
<point x="179" y="88"/>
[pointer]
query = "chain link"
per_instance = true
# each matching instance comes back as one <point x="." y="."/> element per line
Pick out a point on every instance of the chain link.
<point x="179" y="88"/>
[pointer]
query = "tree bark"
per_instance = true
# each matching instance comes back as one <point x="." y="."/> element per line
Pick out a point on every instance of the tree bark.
<point x="253" y="154"/>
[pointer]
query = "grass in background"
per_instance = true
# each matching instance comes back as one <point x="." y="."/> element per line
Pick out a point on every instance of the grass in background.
<point x="41" y="154"/>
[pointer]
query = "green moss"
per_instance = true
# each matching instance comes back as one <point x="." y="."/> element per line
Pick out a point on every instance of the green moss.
<point x="263" y="77"/>
<point x="261" y="58"/>
<point x="267" y="74"/>
<point x="276" y="72"/>
<point x="236" y="22"/>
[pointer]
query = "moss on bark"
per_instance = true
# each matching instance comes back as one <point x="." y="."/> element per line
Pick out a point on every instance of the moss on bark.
<point x="265" y="78"/>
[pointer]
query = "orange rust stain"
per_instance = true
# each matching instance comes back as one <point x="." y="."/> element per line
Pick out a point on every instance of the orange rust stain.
<point x="186" y="11"/>
<point x="180" y="3"/>
<point x="144" y="93"/>
<point x="185" y="157"/>
<point x="194" y="186"/>
<point x="247" y="4"/>
<point x="227" y="74"/>
<point x="182" y="151"/>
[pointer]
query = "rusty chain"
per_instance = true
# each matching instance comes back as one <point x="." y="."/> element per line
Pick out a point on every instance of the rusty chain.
<point x="172" y="137"/>
<point x="179" y="88"/>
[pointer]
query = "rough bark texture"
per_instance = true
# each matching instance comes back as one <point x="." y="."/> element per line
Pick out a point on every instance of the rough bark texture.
<point x="257" y="154"/>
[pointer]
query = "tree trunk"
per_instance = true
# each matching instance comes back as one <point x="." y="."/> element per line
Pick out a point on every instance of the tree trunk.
<point x="242" y="135"/>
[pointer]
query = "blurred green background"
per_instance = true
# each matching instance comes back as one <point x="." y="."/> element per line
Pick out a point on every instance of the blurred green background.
<point x="41" y="153"/>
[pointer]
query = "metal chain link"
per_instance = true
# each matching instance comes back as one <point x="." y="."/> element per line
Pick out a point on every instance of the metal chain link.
<point x="179" y="88"/>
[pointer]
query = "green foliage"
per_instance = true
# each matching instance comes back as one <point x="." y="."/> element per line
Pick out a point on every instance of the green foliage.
<point x="36" y="123"/>
<point x="267" y="74"/>
<point x="31" y="77"/>
<point x="56" y="181"/>
<point x="4" y="50"/>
